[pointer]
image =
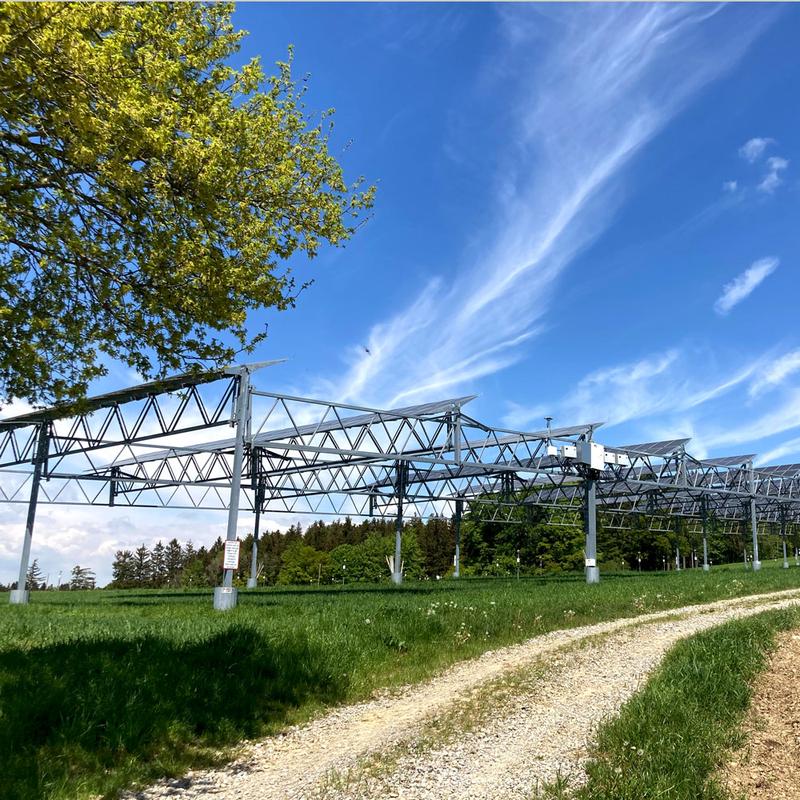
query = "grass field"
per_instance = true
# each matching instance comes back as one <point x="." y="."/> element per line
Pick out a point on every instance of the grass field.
<point x="99" y="690"/>
<point x="672" y="737"/>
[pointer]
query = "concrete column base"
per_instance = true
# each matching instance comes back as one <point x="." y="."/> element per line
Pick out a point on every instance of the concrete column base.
<point x="706" y="568"/>
<point x="252" y="583"/>
<point x="224" y="597"/>
<point x="756" y="565"/>
<point x="19" y="597"/>
<point x="786" y="565"/>
<point x="397" y="577"/>
<point x="592" y="574"/>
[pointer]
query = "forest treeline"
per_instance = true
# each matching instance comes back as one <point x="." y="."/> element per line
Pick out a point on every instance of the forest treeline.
<point x="345" y="551"/>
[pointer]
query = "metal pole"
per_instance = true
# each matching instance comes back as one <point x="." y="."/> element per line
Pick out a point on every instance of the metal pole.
<point x="457" y="559"/>
<point x="252" y="581"/>
<point x="677" y="559"/>
<point x="20" y="595"/>
<point x="706" y="567"/>
<point x="397" y="574"/>
<point x="592" y="570"/>
<point x="783" y="539"/>
<point x="225" y="595"/>
<point x="754" y="522"/>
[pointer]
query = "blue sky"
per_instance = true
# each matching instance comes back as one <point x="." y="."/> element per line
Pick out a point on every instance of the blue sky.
<point x="583" y="211"/>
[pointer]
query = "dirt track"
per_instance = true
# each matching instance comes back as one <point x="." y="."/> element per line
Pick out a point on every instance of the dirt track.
<point x="529" y="739"/>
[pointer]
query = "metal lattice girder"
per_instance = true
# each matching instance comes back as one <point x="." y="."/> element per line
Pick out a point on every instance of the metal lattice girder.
<point x="145" y="447"/>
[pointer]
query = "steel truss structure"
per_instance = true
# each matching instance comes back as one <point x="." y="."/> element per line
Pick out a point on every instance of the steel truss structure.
<point x="153" y="445"/>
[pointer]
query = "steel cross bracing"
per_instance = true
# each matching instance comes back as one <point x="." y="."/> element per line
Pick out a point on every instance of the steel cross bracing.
<point x="152" y="446"/>
<point x="344" y="462"/>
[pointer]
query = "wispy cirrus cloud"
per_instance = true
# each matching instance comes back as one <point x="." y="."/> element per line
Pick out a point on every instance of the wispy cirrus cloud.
<point x="773" y="179"/>
<point x="775" y="373"/>
<point x="777" y="454"/>
<point x="657" y="384"/>
<point x="602" y="83"/>
<point x="754" y="148"/>
<point x="680" y="392"/>
<point x="743" y="285"/>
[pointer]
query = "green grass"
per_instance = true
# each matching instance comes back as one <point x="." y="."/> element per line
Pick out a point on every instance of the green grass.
<point x="669" y="740"/>
<point x="100" y="690"/>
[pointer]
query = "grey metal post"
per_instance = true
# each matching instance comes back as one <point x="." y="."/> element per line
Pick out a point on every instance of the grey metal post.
<point x="252" y="581"/>
<point x="225" y="595"/>
<point x="706" y="567"/>
<point x="457" y="560"/>
<point x="20" y="595"/>
<point x="590" y="511"/>
<point x="783" y="538"/>
<point x="754" y="523"/>
<point x="397" y="573"/>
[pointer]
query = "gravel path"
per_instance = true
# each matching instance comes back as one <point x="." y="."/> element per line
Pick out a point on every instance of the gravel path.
<point x="542" y="732"/>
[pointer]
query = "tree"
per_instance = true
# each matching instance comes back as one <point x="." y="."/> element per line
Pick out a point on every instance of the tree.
<point x="150" y="194"/>
<point x="82" y="578"/>
<point x="173" y="562"/>
<point x="158" y="565"/>
<point x="301" y="564"/>
<point x="34" y="579"/>
<point x="123" y="572"/>
<point x="141" y="566"/>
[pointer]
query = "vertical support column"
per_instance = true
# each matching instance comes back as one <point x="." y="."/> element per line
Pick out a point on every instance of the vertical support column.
<point x="397" y="572"/>
<point x="590" y="511"/>
<point x="706" y="567"/>
<point x="783" y="538"/>
<point x="20" y="595"/>
<point x="225" y="595"/>
<point x="754" y="523"/>
<point x="457" y="559"/>
<point x="252" y="581"/>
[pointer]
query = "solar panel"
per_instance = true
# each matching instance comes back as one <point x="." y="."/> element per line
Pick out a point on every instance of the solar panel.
<point x="781" y="470"/>
<point x="334" y="424"/>
<point x="138" y="392"/>
<point x="729" y="461"/>
<point x="654" y="448"/>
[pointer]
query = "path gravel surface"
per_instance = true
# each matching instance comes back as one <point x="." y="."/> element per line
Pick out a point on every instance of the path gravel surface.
<point x="529" y="739"/>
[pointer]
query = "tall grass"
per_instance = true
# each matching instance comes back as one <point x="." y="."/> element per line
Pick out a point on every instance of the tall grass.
<point x="99" y="690"/>
<point x="669" y="740"/>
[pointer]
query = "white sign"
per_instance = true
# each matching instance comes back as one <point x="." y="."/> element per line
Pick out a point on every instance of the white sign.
<point x="591" y="562"/>
<point x="231" y="560"/>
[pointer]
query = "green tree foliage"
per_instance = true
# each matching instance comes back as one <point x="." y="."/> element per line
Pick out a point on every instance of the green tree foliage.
<point x="173" y="562"/>
<point x="142" y="570"/>
<point x="123" y="571"/>
<point x="82" y="578"/>
<point x="150" y="194"/>
<point x="302" y="564"/>
<point x="342" y="551"/>
<point x="34" y="578"/>
<point x="158" y="565"/>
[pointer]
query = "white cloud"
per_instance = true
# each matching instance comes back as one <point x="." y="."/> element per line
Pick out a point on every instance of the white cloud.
<point x="777" y="454"/>
<point x="775" y="372"/>
<point x="754" y="148"/>
<point x="772" y="180"/>
<point x="655" y="385"/>
<point x="743" y="285"/>
<point x="673" y="395"/>
<point x="730" y="186"/>
<point x="783" y="418"/>
<point x="589" y="95"/>
<point x="777" y="163"/>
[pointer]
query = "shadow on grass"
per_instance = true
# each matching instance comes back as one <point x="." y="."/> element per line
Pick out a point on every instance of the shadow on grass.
<point x="93" y="716"/>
